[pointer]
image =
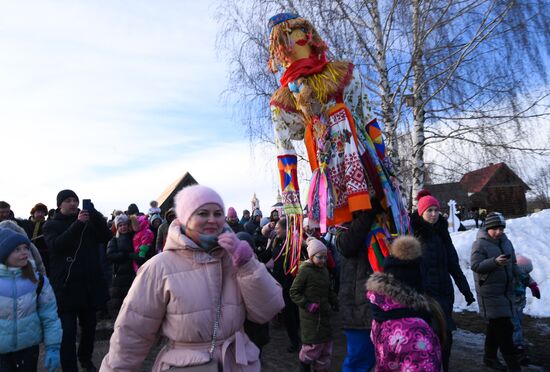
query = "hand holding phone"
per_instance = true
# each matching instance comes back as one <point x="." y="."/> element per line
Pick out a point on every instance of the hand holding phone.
<point x="83" y="216"/>
<point x="502" y="259"/>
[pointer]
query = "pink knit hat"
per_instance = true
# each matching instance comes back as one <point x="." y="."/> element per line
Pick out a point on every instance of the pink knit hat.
<point x="425" y="201"/>
<point x="191" y="198"/>
<point x="315" y="246"/>
<point x="231" y="213"/>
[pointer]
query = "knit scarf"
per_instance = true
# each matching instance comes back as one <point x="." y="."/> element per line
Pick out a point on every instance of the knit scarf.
<point x="205" y="242"/>
<point x="303" y="67"/>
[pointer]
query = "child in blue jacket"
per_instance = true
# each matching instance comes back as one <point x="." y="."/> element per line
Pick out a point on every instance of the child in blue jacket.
<point x="28" y="311"/>
<point x="524" y="280"/>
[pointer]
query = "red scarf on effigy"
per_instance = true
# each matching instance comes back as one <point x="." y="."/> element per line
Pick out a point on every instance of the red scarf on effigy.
<point x="303" y="67"/>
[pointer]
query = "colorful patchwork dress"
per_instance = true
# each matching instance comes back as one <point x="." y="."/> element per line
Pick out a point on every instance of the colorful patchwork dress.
<point x="345" y="150"/>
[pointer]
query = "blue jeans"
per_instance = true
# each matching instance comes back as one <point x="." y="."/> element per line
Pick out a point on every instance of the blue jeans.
<point x="360" y="356"/>
<point x="517" y="318"/>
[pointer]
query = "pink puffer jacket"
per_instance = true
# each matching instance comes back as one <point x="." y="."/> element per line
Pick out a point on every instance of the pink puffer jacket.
<point x="143" y="236"/>
<point x="176" y="292"/>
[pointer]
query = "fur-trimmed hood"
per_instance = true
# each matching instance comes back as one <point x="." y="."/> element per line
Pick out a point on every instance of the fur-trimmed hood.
<point x="389" y="286"/>
<point x="406" y="248"/>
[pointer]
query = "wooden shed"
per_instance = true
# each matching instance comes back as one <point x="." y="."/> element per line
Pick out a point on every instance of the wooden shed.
<point x="496" y="188"/>
<point x="450" y="191"/>
<point x="166" y="199"/>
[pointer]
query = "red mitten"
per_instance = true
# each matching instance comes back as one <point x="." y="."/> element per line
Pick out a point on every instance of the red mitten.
<point x="535" y="290"/>
<point x="239" y="250"/>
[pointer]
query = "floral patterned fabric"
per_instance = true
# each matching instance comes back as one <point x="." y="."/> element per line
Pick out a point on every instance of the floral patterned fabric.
<point x="406" y="344"/>
<point x="341" y="155"/>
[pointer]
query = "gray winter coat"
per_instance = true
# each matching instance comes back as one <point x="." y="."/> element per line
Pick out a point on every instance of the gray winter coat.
<point x="494" y="283"/>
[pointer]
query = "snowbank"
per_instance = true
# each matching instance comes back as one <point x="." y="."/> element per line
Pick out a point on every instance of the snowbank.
<point x="530" y="237"/>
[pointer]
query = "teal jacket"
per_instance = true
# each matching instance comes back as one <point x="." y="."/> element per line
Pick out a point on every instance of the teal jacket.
<point x="24" y="321"/>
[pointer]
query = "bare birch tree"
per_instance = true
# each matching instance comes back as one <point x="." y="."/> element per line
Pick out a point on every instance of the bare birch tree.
<point x="459" y="64"/>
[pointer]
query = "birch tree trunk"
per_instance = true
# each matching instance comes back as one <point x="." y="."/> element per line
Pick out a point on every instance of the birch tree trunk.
<point x="458" y="60"/>
<point x="419" y="167"/>
<point x="387" y="98"/>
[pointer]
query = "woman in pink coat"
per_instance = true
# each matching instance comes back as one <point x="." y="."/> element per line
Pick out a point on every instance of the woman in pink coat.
<point x="205" y="282"/>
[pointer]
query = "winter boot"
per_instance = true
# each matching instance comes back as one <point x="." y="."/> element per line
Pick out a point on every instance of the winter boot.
<point x="512" y="362"/>
<point x="88" y="366"/>
<point x="304" y="367"/>
<point x="521" y="355"/>
<point x="494" y="363"/>
<point x="525" y="361"/>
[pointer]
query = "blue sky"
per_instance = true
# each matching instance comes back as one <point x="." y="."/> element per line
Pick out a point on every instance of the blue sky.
<point x="116" y="100"/>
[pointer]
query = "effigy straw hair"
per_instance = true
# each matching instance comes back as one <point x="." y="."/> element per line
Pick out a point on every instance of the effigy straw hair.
<point x="320" y="87"/>
<point x="281" y="44"/>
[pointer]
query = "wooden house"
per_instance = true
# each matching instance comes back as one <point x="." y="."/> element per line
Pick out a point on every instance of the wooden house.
<point x="450" y="191"/>
<point x="496" y="188"/>
<point x="166" y="199"/>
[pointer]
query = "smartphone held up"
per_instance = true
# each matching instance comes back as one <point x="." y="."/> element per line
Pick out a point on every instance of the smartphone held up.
<point x="87" y="205"/>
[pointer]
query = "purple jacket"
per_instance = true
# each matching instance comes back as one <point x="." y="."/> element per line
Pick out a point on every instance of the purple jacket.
<point x="404" y="344"/>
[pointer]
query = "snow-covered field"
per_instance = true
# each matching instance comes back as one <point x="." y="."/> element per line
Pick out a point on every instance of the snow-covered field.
<point x="531" y="237"/>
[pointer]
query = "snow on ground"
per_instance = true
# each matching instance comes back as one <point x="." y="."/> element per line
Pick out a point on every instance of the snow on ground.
<point x="531" y="237"/>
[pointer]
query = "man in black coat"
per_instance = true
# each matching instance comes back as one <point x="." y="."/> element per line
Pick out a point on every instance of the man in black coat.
<point x="253" y="225"/>
<point x="355" y="309"/>
<point x="254" y="228"/>
<point x="5" y="211"/>
<point x="74" y="237"/>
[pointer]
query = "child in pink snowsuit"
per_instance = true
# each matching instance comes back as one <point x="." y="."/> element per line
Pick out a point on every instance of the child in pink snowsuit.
<point x="401" y="333"/>
<point x="143" y="241"/>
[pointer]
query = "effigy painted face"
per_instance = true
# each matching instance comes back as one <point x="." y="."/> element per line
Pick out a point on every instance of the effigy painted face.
<point x="300" y="46"/>
<point x="292" y="38"/>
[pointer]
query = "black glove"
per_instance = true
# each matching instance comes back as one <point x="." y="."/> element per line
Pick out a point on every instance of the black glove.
<point x="376" y="206"/>
<point x="367" y="216"/>
<point x="469" y="299"/>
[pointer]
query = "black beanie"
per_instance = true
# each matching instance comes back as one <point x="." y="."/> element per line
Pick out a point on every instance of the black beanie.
<point x="132" y="209"/>
<point x="65" y="194"/>
<point x="404" y="262"/>
<point x="407" y="272"/>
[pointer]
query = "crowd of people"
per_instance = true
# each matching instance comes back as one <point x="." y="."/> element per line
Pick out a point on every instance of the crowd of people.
<point x="211" y="283"/>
